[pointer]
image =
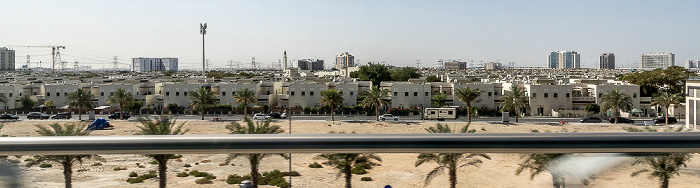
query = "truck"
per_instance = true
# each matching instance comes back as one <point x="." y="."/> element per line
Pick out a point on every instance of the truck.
<point x="440" y="114"/>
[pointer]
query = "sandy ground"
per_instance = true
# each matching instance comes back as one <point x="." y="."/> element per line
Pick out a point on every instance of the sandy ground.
<point x="397" y="170"/>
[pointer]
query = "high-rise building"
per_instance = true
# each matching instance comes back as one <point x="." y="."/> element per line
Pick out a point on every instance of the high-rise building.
<point x="144" y="64"/>
<point x="564" y="60"/>
<point x="607" y="61"/>
<point x="691" y="64"/>
<point x="310" y="64"/>
<point x="455" y="65"/>
<point x="344" y="60"/>
<point x="7" y="59"/>
<point x="658" y="60"/>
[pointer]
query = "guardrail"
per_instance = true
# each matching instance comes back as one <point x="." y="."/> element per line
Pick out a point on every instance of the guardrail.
<point x="684" y="142"/>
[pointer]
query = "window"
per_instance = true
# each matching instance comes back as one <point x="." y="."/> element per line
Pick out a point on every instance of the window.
<point x="167" y="93"/>
<point x="634" y="95"/>
<point x="405" y="94"/>
<point x="223" y="93"/>
<point x="48" y="94"/>
<point x="556" y="95"/>
<point x="567" y="95"/>
<point x="489" y="94"/>
<point x="102" y="93"/>
<point x="58" y="94"/>
<point x="10" y="94"/>
<point x="311" y="93"/>
<point x="449" y="112"/>
<point x="185" y="93"/>
<point x="426" y="94"/>
<point x="233" y="93"/>
<point x="415" y="94"/>
<point x="534" y="95"/>
<point x="352" y="93"/>
<point x="292" y="93"/>
<point x="495" y="93"/>
<point x="303" y="93"/>
<point x="546" y="95"/>
<point x="177" y="93"/>
<point x="600" y="95"/>
<point x="396" y="93"/>
<point x="111" y="93"/>
<point x="268" y="92"/>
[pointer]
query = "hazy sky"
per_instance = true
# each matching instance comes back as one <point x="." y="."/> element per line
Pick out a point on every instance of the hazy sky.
<point x="397" y="32"/>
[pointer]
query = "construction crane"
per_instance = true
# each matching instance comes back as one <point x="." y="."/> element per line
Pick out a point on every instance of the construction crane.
<point x="54" y="51"/>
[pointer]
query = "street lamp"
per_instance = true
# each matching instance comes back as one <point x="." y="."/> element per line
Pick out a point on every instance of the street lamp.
<point x="203" y="31"/>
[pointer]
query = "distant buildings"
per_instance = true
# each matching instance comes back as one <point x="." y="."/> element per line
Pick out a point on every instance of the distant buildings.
<point x="310" y="64"/>
<point x="564" y="60"/>
<point x="455" y="65"/>
<point x="7" y="59"/>
<point x="658" y="60"/>
<point x="492" y="66"/>
<point x="344" y="60"/>
<point x="691" y="64"/>
<point x="607" y="61"/>
<point x="144" y="64"/>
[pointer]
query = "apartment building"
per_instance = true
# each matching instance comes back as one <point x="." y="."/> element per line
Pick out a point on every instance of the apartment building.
<point x="658" y="60"/>
<point x="692" y="103"/>
<point x="7" y="59"/>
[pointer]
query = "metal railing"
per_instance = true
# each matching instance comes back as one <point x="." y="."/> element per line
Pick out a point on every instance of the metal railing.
<point x="685" y="142"/>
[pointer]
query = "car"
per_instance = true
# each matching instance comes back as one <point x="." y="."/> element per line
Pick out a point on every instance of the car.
<point x="389" y="117"/>
<point x="662" y="119"/>
<point x="260" y="117"/>
<point x="621" y="120"/>
<point x="590" y="120"/>
<point x="62" y="115"/>
<point x="8" y="116"/>
<point x="37" y="115"/>
<point x="126" y="115"/>
<point x="275" y="115"/>
<point x="284" y="116"/>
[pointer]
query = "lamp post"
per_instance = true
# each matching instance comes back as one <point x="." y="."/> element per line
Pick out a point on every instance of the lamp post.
<point x="289" y="115"/>
<point x="203" y="31"/>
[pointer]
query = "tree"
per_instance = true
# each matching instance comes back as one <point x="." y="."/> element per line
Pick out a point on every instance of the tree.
<point x="27" y="102"/>
<point x="616" y="100"/>
<point x="438" y="100"/>
<point x="375" y="98"/>
<point x="432" y="79"/>
<point x="135" y="107"/>
<point x="403" y="74"/>
<point x="592" y="108"/>
<point x="122" y="98"/>
<point x="332" y="98"/>
<point x="345" y="162"/>
<point x="50" y="104"/>
<point x="3" y="99"/>
<point x="254" y="159"/>
<point x="667" y="99"/>
<point x="540" y="162"/>
<point x="467" y="95"/>
<point x="373" y="72"/>
<point x="245" y="97"/>
<point x="449" y="161"/>
<point x="514" y="100"/>
<point x="671" y="79"/>
<point x="67" y="161"/>
<point x="80" y="99"/>
<point x="201" y="99"/>
<point x="164" y="126"/>
<point x="661" y="165"/>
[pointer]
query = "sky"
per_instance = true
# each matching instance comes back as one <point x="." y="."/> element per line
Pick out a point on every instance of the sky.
<point x="396" y="32"/>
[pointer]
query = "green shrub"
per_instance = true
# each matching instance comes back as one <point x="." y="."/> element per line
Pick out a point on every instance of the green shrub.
<point x="187" y="165"/>
<point x="119" y="168"/>
<point x="45" y="165"/>
<point x="28" y="159"/>
<point x="234" y="179"/>
<point x="366" y="179"/>
<point x="359" y="170"/>
<point x="133" y="174"/>
<point x="203" y="181"/>
<point x="315" y="165"/>
<point x="139" y="179"/>
<point x="153" y="162"/>
<point x="135" y="180"/>
<point x="197" y="173"/>
<point x="182" y="174"/>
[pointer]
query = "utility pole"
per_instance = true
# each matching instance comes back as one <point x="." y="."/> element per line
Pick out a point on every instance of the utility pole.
<point x="230" y="65"/>
<point x="28" y="62"/>
<point x="115" y="63"/>
<point x="253" y="63"/>
<point x="207" y="67"/>
<point x="75" y="66"/>
<point x="418" y="64"/>
<point x="203" y="31"/>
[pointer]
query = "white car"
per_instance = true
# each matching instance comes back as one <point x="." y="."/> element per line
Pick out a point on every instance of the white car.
<point x="284" y="115"/>
<point x="389" y="117"/>
<point x="261" y="117"/>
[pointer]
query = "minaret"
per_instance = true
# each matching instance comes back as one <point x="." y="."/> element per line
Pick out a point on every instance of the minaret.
<point x="284" y="59"/>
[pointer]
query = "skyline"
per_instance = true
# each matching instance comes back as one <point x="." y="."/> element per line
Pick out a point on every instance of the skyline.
<point x="397" y="32"/>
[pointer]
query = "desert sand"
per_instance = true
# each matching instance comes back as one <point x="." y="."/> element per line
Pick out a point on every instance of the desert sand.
<point x="397" y="169"/>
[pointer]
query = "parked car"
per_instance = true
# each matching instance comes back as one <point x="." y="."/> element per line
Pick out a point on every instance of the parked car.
<point x="260" y="117"/>
<point x="590" y="120"/>
<point x="389" y="117"/>
<point x="37" y="115"/>
<point x="662" y="120"/>
<point x="284" y="116"/>
<point x="275" y="115"/>
<point x="8" y="116"/>
<point x="621" y="120"/>
<point x="127" y="115"/>
<point x="62" y="115"/>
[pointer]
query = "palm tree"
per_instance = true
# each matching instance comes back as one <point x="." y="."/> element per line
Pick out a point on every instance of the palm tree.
<point x="375" y="98"/>
<point x="467" y="95"/>
<point x="121" y="98"/>
<point x="663" y="165"/>
<point x="164" y="126"/>
<point x="331" y="98"/>
<point x="201" y="99"/>
<point x="666" y="99"/>
<point x="254" y="159"/>
<point x="616" y="100"/>
<point x="514" y="100"/>
<point x="449" y="161"/>
<point x="66" y="161"/>
<point x="540" y="162"/>
<point x="80" y="99"/>
<point x="345" y="162"/>
<point x="245" y="97"/>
